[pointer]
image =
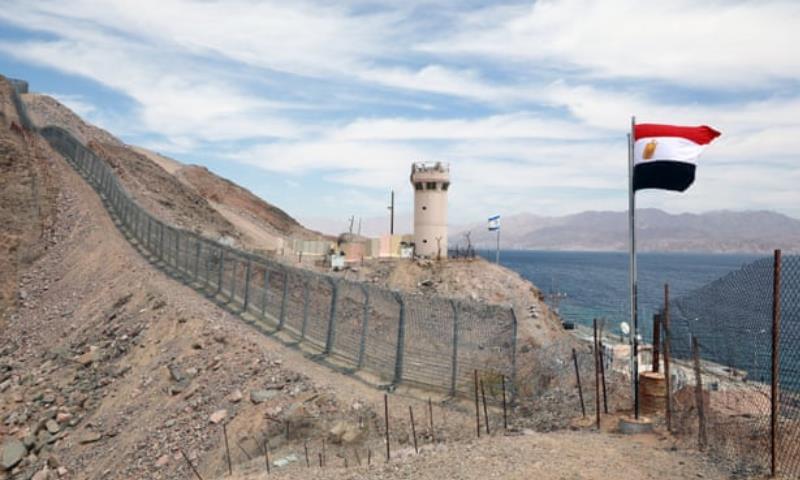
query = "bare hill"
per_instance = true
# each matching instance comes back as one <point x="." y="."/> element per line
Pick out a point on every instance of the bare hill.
<point x="721" y="231"/>
<point x="189" y="196"/>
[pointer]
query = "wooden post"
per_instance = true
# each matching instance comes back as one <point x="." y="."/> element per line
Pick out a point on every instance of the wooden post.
<point x="305" y="447"/>
<point x="775" y="387"/>
<point x="698" y="394"/>
<point x="266" y="453"/>
<point x="505" y="414"/>
<point x="656" y="341"/>
<point x="667" y="379"/>
<point x="430" y="416"/>
<point x="578" y="378"/>
<point x="596" y="374"/>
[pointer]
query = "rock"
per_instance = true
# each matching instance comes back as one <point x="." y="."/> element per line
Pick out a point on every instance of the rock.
<point x="218" y="416"/>
<point x="175" y="373"/>
<point x="13" y="453"/>
<point x="63" y="417"/>
<point x="52" y="426"/>
<point x="61" y="471"/>
<point x="344" y="433"/>
<point x="261" y="396"/>
<point x="90" y="437"/>
<point x="235" y="396"/>
<point x="282" y="462"/>
<point x="90" y="357"/>
<point x="163" y="460"/>
<point x="41" y="474"/>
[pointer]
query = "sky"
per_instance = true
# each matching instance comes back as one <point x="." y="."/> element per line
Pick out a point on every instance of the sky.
<point x="320" y="107"/>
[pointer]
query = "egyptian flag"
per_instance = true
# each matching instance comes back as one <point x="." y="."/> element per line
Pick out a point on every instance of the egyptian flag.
<point x="664" y="156"/>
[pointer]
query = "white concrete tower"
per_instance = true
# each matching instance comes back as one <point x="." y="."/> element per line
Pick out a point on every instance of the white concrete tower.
<point x="431" y="182"/>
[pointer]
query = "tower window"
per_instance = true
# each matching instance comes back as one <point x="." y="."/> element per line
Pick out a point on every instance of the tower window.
<point x="425" y="240"/>
<point x="418" y="186"/>
<point x="430" y="185"/>
<point x="445" y="186"/>
<point x="424" y="207"/>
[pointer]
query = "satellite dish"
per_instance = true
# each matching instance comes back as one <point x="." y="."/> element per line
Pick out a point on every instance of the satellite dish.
<point x="625" y="328"/>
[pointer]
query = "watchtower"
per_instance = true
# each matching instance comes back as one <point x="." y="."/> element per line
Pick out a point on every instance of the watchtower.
<point x="431" y="182"/>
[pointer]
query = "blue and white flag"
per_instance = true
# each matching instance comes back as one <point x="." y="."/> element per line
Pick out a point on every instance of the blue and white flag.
<point x="494" y="223"/>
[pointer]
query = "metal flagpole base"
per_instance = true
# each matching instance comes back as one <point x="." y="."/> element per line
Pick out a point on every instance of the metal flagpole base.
<point x="632" y="426"/>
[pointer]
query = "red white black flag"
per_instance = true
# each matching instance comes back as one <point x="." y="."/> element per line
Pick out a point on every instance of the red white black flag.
<point x="664" y="156"/>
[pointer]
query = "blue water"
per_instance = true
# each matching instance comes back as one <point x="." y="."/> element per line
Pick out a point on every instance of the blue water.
<point x="596" y="283"/>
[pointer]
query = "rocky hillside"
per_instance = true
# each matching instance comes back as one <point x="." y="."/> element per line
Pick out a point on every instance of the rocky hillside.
<point x="28" y="190"/>
<point x="720" y="232"/>
<point x="185" y="195"/>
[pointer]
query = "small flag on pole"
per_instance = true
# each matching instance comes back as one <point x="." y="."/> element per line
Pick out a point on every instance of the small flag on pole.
<point x="664" y="156"/>
<point x="494" y="223"/>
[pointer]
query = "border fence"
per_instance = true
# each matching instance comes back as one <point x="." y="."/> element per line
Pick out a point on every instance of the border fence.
<point x="734" y="366"/>
<point x="433" y="342"/>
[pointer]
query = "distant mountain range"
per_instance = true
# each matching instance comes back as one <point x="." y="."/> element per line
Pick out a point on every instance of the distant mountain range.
<point x="719" y="231"/>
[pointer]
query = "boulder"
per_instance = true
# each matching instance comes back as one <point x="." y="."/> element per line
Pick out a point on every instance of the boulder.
<point x="218" y="416"/>
<point x="90" y="437"/>
<point x="261" y="396"/>
<point x="13" y="453"/>
<point x="344" y="433"/>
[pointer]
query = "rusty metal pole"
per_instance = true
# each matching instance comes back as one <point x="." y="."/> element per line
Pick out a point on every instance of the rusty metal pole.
<point x="266" y="453"/>
<point x="603" y="377"/>
<point x="413" y="428"/>
<point x="196" y="473"/>
<point x="386" y="418"/>
<point x="227" y="449"/>
<point x="656" y="341"/>
<point x="578" y="378"/>
<point x="477" y="406"/>
<point x="698" y="393"/>
<point x="305" y="447"/>
<point x="775" y="390"/>
<point x="667" y="379"/>
<point x="596" y="375"/>
<point x="485" y="411"/>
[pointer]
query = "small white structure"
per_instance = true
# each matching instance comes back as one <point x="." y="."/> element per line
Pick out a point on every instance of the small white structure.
<point x="431" y="182"/>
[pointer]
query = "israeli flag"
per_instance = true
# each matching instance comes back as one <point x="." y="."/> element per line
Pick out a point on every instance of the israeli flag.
<point x="494" y="223"/>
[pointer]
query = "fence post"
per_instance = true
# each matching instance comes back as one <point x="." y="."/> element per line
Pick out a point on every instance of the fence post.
<point x="306" y="301"/>
<point x="513" y="355"/>
<point x="177" y="251"/>
<point x="656" y="342"/>
<point x="454" y="358"/>
<point x="401" y="340"/>
<point x="264" y="296"/>
<point x="149" y="233"/>
<point x="233" y="281"/>
<point x="246" y="286"/>
<point x="596" y="374"/>
<point x="362" y="344"/>
<point x="284" y="298"/>
<point x="578" y="381"/>
<point x="330" y="337"/>
<point x="698" y="394"/>
<point x="775" y="388"/>
<point x="667" y="379"/>
<point x="161" y="241"/>
<point x="196" y="258"/>
<point x="221" y="270"/>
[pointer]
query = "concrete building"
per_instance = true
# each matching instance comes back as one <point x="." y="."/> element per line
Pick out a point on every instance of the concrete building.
<point x="431" y="182"/>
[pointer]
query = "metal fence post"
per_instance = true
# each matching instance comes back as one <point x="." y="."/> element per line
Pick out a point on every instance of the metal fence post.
<point x="667" y="339"/>
<point x="284" y="298"/>
<point x="161" y="241"/>
<point x="362" y="344"/>
<point x="233" y="281"/>
<point x="221" y="271"/>
<point x="401" y="340"/>
<point x="264" y="296"/>
<point x="306" y="301"/>
<point x="177" y="251"/>
<point x="196" y="258"/>
<point x="149" y="233"/>
<point x="246" y="286"/>
<point x="331" y="334"/>
<point x="513" y="355"/>
<point x="776" y="356"/>
<point x="454" y="358"/>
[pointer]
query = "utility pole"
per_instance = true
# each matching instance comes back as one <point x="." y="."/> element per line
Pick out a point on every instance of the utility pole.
<point x="391" y="215"/>
<point x="359" y="226"/>
<point x="352" y="219"/>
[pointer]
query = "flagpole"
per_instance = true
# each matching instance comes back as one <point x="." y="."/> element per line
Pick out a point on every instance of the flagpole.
<point x="633" y="280"/>
<point x="497" y="252"/>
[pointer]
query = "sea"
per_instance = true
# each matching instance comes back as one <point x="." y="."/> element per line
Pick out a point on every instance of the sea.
<point x="588" y="285"/>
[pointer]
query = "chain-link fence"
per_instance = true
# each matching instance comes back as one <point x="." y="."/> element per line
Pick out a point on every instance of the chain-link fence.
<point x="393" y="337"/>
<point x="721" y="341"/>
